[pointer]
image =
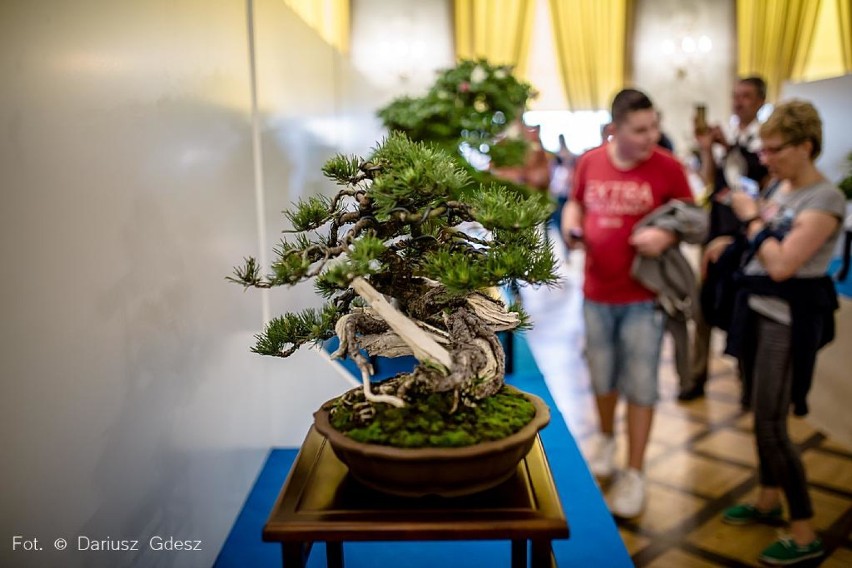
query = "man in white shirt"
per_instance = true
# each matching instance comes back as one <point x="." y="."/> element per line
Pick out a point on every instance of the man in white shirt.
<point x="729" y="161"/>
<point x="740" y="136"/>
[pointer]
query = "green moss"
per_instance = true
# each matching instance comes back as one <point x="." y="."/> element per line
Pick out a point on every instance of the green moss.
<point x="427" y="422"/>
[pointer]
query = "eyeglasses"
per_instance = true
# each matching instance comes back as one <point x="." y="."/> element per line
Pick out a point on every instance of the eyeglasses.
<point x="772" y="150"/>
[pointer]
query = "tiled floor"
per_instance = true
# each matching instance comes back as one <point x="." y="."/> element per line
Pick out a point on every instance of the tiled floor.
<point x="701" y="458"/>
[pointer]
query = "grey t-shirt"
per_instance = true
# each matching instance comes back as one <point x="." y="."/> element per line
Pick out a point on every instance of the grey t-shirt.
<point x="780" y="213"/>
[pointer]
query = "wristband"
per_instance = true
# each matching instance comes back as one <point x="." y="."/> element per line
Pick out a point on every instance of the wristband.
<point x="762" y="235"/>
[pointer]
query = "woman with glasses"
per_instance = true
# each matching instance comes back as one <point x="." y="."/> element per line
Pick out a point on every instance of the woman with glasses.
<point x="784" y="313"/>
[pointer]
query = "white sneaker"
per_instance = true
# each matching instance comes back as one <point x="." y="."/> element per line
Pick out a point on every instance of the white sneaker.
<point x="627" y="499"/>
<point x="602" y="457"/>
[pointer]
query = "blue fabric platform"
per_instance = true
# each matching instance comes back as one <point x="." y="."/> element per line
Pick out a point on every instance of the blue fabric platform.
<point x="594" y="536"/>
<point x="843" y="288"/>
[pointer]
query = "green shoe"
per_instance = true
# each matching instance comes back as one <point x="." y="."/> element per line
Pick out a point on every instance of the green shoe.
<point x="745" y="514"/>
<point x="785" y="552"/>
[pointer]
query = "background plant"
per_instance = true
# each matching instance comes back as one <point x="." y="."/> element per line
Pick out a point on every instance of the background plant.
<point x="846" y="183"/>
<point x="475" y="104"/>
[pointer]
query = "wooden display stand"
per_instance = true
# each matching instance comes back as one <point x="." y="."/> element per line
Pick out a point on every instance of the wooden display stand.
<point x="320" y="502"/>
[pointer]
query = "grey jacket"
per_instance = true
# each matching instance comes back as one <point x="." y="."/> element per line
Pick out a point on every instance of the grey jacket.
<point x="670" y="275"/>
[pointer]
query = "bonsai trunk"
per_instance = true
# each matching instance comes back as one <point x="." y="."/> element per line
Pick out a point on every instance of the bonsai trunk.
<point x="472" y="364"/>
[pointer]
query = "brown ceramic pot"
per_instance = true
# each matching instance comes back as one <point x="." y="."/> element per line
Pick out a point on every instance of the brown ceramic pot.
<point x="449" y="472"/>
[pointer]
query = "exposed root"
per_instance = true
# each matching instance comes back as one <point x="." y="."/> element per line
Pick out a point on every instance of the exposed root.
<point x="347" y="328"/>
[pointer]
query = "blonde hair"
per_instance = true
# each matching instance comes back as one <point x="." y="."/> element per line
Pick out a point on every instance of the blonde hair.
<point x="795" y="121"/>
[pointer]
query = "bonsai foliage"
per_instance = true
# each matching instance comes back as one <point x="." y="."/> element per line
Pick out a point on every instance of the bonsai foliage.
<point x="845" y="184"/>
<point x="473" y="103"/>
<point x="406" y="226"/>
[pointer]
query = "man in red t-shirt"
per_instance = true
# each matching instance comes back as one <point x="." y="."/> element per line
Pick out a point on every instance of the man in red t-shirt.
<point x="616" y="185"/>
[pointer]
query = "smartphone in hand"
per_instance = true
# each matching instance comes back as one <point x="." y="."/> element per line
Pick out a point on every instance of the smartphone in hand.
<point x="750" y="187"/>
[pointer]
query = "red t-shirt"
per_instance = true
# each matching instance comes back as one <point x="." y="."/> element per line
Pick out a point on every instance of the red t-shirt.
<point x="613" y="202"/>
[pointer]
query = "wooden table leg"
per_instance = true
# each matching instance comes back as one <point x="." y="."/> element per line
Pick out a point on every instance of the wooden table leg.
<point x="519" y="554"/>
<point x="334" y="554"/>
<point x="542" y="554"/>
<point x="295" y="554"/>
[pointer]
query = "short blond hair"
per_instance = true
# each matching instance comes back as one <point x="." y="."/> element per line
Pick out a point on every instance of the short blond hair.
<point x="796" y="121"/>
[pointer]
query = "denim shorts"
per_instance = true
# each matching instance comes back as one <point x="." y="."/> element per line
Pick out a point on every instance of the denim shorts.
<point x="623" y="349"/>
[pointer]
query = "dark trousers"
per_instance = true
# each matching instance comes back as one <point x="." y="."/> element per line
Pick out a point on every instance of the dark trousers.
<point x="680" y="336"/>
<point x="700" y="350"/>
<point x="780" y="463"/>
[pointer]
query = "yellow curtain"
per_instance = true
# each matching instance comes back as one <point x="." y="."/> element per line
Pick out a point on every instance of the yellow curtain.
<point x="329" y="18"/>
<point x="825" y="57"/>
<point x="590" y="38"/>
<point x="844" y="13"/>
<point x="774" y="38"/>
<point x="498" y="30"/>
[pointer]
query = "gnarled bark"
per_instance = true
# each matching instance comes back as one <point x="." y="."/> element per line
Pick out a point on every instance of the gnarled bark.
<point x="466" y="358"/>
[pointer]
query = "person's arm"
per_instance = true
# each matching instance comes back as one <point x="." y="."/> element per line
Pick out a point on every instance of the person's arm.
<point x="713" y="250"/>
<point x="811" y="229"/>
<point x="707" y="171"/>
<point x="652" y="241"/>
<point x="573" y="213"/>
<point x="705" y="141"/>
<point x="572" y="224"/>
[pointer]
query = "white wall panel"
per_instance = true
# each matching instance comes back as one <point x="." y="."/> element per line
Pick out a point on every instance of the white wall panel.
<point x="831" y="98"/>
<point x="131" y="405"/>
<point x="398" y="46"/>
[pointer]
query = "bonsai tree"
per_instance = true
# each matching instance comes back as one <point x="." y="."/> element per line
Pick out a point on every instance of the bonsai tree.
<point x="474" y="105"/>
<point x="403" y="253"/>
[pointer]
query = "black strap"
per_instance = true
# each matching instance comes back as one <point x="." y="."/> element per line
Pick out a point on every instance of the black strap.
<point x="754" y="244"/>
